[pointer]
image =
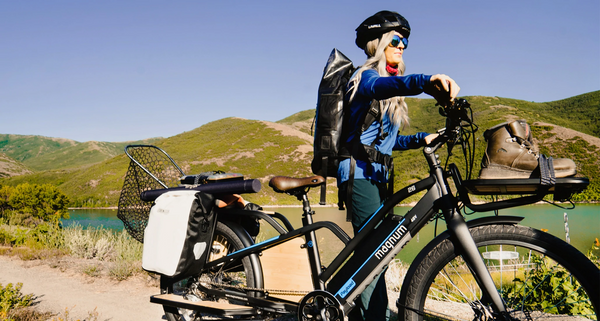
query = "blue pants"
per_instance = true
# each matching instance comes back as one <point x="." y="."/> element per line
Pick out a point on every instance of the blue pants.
<point x="367" y="196"/>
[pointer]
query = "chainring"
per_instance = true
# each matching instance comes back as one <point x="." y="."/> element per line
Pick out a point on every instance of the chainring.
<point x="320" y="306"/>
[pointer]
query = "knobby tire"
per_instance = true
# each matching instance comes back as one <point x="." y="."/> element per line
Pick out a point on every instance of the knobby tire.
<point x="541" y="277"/>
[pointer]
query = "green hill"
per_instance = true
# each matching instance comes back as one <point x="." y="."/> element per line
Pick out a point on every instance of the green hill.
<point x="302" y="121"/>
<point x="261" y="150"/>
<point x="10" y="167"/>
<point x="26" y="147"/>
<point x="255" y="148"/>
<point x="81" y="154"/>
<point x="41" y="153"/>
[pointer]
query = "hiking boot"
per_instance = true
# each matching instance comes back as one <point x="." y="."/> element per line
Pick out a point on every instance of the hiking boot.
<point x="510" y="154"/>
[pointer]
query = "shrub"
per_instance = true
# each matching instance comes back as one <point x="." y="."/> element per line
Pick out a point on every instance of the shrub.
<point x="105" y="245"/>
<point x="127" y="248"/>
<point x="122" y="270"/>
<point x="89" y="243"/>
<point x="11" y="298"/>
<point x="553" y="286"/>
<point x="5" y="237"/>
<point x="92" y="271"/>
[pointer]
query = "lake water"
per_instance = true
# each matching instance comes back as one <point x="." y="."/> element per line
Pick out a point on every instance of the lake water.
<point x="583" y="222"/>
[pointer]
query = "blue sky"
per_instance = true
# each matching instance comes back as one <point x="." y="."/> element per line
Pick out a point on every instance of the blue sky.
<point x="128" y="70"/>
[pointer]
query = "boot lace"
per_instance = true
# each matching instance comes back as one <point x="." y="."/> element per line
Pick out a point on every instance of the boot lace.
<point x="525" y="144"/>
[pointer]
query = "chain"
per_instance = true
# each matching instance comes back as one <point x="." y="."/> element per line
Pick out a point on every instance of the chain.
<point x="268" y="291"/>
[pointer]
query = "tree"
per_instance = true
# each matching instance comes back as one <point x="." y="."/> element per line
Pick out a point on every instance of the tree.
<point x="45" y="201"/>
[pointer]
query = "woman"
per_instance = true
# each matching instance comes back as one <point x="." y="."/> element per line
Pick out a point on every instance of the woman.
<point x="381" y="83"/>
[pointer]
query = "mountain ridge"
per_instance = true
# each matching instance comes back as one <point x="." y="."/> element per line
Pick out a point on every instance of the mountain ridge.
<point x="41" y="153"/>
<point x="262" y="149"/>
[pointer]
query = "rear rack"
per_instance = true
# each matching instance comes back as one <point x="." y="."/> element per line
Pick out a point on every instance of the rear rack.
<point x="562" y="190"/>
<point x="211" y="307"/>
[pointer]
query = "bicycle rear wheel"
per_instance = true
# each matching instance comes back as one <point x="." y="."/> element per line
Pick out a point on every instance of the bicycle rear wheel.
<point x="538" y="276"/>
<point x="240" y="274"/>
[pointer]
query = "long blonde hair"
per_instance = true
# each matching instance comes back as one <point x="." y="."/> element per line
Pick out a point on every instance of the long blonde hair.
<point x="395" y="107"/>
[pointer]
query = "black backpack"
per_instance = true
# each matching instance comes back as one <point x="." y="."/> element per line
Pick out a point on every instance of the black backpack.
<point x="330" y="137"/>
<point x="329" y="117"/>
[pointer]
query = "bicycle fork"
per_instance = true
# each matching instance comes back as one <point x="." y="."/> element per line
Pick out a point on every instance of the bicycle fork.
<point x="462" y="239"/>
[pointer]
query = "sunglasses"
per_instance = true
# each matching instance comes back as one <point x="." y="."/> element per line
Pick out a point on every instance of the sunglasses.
<point x="396" y="40"/>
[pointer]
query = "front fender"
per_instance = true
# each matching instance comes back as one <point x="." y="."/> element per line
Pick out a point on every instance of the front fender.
<point x="488" y="220"/>
<point x="491" y="220"/>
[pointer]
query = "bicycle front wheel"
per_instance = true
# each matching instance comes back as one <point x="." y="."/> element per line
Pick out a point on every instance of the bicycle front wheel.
<point x="537" y="275"/>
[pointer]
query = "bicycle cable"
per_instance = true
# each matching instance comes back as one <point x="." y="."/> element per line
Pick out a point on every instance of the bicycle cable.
<point x="564" y="208"/>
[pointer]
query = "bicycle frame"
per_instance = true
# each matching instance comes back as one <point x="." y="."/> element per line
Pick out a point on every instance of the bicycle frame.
<point x="381" y="238"/>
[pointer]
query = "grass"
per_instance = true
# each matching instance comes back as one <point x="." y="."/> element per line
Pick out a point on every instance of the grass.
<point x="93" y="271"/>
<point x="123" y="252"/>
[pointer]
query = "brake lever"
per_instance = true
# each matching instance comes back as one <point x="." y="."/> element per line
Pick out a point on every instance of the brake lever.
<point x="442" y="111"/>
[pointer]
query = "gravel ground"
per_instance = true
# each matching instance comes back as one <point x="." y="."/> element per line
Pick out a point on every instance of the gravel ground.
<point x="60" y="285"/>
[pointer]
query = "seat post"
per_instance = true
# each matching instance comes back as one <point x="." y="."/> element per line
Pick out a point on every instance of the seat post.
<point x="306" y="205"/>
<point x="311" y="243"/>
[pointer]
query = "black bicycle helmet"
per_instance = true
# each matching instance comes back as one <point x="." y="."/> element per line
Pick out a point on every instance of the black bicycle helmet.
<point x="380" y="23"/>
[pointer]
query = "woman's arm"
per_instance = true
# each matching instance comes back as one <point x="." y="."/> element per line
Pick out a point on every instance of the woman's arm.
<point x="441" y="87"/>
<point x="420" y="139"/>
<point x="376" y="87"/>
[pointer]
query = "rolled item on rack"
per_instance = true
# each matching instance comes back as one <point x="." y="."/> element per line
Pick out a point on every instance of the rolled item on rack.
<point x="226" y="187"/>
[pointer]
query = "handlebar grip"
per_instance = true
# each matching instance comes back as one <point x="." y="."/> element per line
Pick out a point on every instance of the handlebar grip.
<point x="232" y="187"/>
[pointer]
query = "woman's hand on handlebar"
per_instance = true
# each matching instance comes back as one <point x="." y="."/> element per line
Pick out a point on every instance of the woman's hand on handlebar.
<point x="443" y="88"/>
<point x="429" y="138"/>
<point x="434" y="139"/>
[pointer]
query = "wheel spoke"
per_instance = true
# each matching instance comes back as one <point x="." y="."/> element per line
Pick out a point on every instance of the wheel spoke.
<point x="239" y="274"/>
<point x="530" y="270"/>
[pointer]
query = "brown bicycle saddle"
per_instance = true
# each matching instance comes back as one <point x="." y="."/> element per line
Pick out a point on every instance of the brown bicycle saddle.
<point x="282" y="184"/>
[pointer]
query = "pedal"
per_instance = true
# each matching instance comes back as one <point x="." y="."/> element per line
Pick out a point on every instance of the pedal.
<point x="209" y="307"/>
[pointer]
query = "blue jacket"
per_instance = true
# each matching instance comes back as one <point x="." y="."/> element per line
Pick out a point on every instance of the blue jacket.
<point x="372" y="86"/>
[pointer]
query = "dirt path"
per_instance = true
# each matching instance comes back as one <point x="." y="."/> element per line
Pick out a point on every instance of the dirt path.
<point x="57" y="291"/>
<point x="60" y="285"/>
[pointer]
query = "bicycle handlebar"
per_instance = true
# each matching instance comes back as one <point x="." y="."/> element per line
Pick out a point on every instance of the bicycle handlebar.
<point x="455" y="114"/>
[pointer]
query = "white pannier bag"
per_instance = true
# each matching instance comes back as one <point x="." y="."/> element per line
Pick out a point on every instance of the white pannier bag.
<point x="178" y="236"/>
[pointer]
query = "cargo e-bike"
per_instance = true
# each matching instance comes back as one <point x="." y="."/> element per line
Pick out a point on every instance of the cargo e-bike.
<point x="489" y="268"/>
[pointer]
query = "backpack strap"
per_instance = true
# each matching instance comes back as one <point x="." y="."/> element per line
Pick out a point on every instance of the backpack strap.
<point x="372" y="115"/>
<point x="367" y="153"/>
<point x="349" y="190"/>
<point x="323" y="199"/>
